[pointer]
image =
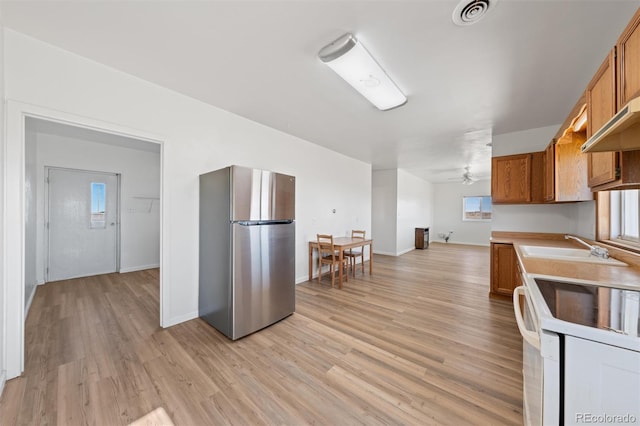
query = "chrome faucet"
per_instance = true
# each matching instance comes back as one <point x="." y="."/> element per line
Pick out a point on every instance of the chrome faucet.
<point x="597" y="251"/>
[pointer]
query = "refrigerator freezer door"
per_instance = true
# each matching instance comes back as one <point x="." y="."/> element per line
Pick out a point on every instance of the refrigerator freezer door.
<point x="261" y="195"/>
<point x="263" y="276"/>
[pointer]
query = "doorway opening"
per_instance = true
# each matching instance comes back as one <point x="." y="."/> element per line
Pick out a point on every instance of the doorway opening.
<point x="35" y="133"/>
<point x="90" y="203"/>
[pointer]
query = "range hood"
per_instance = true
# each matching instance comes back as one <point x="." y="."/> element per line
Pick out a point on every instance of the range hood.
<point x="621" y="133"/>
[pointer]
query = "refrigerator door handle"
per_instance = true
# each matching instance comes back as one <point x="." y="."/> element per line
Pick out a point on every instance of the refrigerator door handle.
<point x="263" y="222"/>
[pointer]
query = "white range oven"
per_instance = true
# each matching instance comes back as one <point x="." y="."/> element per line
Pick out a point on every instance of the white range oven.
<point x="581" y="351"/>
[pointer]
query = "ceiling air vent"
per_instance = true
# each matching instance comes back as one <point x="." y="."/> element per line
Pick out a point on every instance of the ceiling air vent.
<point x="469" y="12"/>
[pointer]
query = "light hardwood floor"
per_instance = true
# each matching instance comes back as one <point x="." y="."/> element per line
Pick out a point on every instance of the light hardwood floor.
<point x="419" y="342"/>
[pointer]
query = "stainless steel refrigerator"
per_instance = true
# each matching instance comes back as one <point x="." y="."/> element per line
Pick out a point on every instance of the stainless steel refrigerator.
<point x="247" y="249"/>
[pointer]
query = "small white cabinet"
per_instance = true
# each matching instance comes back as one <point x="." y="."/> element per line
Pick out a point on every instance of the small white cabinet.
<point x="602" y="383"/>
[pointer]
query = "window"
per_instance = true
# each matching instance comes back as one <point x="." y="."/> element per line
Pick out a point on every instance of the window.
<point x="625" y="215"/>
<point x="98" y="197"/>
<point x="476" y="208"/>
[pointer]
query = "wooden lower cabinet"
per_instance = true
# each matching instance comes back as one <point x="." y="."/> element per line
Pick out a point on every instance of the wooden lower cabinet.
<point x="505" y="276"/>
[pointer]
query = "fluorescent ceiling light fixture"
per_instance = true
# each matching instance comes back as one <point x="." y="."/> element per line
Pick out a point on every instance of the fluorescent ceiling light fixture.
<point x="351" y="61"/>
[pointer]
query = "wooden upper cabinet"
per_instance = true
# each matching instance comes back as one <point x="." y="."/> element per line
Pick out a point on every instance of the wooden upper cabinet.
<point x="601" y="106"/>
<point x="565" y="170"/>
<point x="565" y="166"/>
<point x="511" y="178"/>
<point x="537" y="177"/>
<point x="628" y="51"/>
<point x="570" y="174"/>
<point x="549" y="172"/>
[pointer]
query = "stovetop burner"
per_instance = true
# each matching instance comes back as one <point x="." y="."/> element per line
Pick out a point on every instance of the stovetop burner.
<point x="613" y="309"/>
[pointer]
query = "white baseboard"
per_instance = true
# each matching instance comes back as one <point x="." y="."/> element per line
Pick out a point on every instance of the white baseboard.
<point x="3" y="379"/>
<point x="139" y="268"/>
<point x="180" y="319"/>
<point x="400" y="253"/>
<point x="406" y="251"/>
<point x="388" y="253"/>
<point x="385" y="253"/>
<point x="487" y="244"/>
<point x="28" y="306"/>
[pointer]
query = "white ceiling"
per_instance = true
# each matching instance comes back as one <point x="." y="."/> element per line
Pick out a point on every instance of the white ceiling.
<point x="523" y="66"/>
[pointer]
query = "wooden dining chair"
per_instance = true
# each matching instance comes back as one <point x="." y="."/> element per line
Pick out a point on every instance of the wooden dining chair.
<point x="327" y="256"/>
<point x="354" y="253"/>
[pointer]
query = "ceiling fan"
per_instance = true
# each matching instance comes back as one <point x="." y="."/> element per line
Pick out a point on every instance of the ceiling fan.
<point x="467" y="178"/>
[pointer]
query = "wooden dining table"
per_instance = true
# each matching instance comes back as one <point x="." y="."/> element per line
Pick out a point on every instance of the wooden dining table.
<point x="342" y="244"/>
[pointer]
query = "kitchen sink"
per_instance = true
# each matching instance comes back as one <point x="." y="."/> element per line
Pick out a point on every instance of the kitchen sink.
<point x="572" y="254"/>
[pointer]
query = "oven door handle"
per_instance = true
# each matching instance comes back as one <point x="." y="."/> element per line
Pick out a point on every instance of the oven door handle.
<point x="530" y="336"/>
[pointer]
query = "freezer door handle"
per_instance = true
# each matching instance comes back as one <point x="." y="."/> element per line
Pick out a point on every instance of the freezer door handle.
<point x="263" y="222"/>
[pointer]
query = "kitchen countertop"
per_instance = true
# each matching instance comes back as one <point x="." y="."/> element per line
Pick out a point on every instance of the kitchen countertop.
<point x="625" y="277"/>
<point x="607" y="275"/>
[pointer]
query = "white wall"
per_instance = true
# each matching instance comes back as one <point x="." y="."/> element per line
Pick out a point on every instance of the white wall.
<point x="140" y="177"/>
<point x="384" y="206"/>
<point x="448" y="213"/>
<point x="586" y="214"/>
<point x="572" y="218"/>
<point x="3" y="276"/>
<point x="31" y="225"/>
<point x="559" y="218"/>
<point x="401" y="202"/>
<point x="415" y="209"/>
<point x="531" y="140"/>
<point x="555" y="218"/>
<point x="196" y="138"/>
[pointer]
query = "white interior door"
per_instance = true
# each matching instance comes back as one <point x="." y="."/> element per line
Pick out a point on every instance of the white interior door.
<point x="82" y="223"/>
